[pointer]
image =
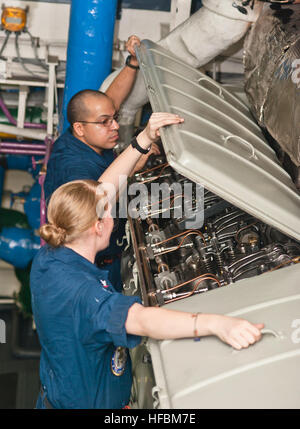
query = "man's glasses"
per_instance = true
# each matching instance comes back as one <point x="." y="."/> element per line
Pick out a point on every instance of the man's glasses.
<point x="105" y="122"/>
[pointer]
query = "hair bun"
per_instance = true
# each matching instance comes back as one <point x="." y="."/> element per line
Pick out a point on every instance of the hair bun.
<point x="53" y="234"/>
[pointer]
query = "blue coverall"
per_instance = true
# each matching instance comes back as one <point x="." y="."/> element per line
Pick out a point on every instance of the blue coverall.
<point x="80" y="321"/>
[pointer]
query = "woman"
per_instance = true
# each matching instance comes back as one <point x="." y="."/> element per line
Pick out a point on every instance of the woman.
<point x="84" y="326"/>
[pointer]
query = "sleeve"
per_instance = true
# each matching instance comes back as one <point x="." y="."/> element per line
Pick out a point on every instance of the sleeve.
<point x="100" y="317"/>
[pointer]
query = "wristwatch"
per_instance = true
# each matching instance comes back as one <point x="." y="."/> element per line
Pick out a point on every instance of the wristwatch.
<point x="127" y="62"/>
<point x="136" y="146"/>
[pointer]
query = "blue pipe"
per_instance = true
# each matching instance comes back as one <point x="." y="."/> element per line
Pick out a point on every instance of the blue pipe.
<point x="32" y="206"/>
<point x="90" y="46"/>
<point x="18" y="246"/>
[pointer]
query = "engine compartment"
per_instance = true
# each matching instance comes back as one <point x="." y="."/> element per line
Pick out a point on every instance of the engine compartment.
<point x="169" y="261"/>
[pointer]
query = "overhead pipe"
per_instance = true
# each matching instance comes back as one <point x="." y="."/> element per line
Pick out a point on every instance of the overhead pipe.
<point x="207" y="33"/>
<point x="90" y="46"/>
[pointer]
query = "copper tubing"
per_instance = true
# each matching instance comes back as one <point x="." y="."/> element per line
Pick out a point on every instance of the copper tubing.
<point x="153" y="227"/>
<point x="179" y="245"/>
<point x="156" y="177"/>
<point x="187" y="232"/>
<point x="295" y="260"/>
<point x="206" y="276"/>
<point x="152" y="169"/>
<point x="161" y="267"/>
<point x="240" y="230"/>
<point x="193" y="291"/>
<point x="173" y="197"/>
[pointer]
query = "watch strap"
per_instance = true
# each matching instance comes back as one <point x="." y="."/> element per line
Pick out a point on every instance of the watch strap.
<point x="136" y="146"/>
<point x="128" y="64"/>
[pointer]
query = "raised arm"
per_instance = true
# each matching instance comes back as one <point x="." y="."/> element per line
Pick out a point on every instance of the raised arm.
<point x="121" y="86"/>
<point x="126" y="161"/>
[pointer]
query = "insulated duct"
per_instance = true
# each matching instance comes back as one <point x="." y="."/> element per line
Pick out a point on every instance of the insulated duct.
<point x="208" y="32"/>
<point x="272" y="75"/>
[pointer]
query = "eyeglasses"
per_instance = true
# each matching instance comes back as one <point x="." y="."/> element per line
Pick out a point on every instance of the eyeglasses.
<point x="105" y="122"/>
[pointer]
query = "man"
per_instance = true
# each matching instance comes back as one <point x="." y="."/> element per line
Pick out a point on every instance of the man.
<point x="85" y="150"/>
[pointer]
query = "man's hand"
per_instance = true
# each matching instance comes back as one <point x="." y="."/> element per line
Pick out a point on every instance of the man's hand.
<point x="121" y="86"/>
<point x="157" y="120"/>
<point x="130" y="44"/>
<point x="125" y="163"/>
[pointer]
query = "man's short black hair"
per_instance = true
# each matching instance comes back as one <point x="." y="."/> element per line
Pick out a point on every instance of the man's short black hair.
<point x="77" y="109"/>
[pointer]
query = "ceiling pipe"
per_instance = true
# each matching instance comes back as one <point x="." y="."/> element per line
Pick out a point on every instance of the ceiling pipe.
<point x="90" y="46"/>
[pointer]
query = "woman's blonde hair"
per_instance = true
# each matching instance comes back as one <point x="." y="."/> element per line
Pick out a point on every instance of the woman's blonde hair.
<point x="73" y="208"/>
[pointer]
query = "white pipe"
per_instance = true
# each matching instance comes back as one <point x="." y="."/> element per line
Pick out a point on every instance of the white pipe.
<point x="23" y="132"/>
<point x="206" y="34"/>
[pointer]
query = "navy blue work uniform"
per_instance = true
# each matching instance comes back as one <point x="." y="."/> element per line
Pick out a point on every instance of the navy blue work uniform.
<point x="71" y="159"/>
<point x="80" y="321"/>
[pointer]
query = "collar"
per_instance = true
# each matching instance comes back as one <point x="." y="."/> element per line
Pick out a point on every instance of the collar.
<point x="70" y="257"/>
<point x="106" y="154"/>
<point x="80" y="145"/>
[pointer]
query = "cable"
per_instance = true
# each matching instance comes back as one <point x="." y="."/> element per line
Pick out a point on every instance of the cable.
<point x="21" y="61"/>
<point x="4" y="43"/>
<point x="44" y="66"/>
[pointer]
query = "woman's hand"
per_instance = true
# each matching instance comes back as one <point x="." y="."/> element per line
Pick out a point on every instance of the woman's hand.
<point x="238" y="333"/>
<point x="157" y="120"/>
